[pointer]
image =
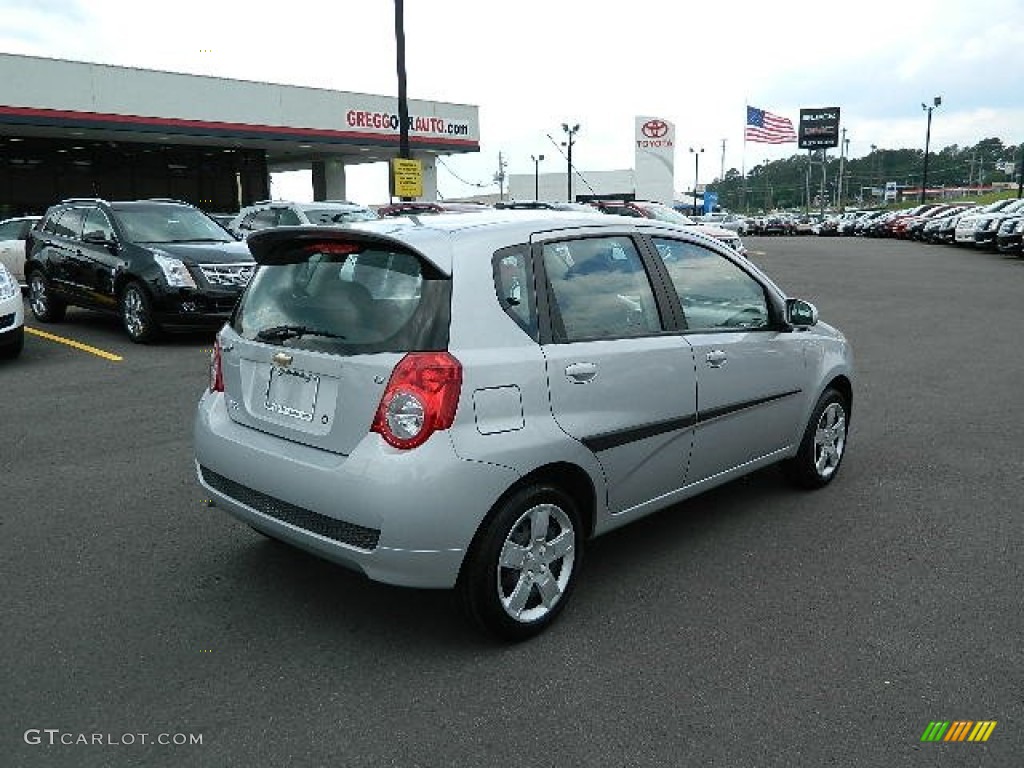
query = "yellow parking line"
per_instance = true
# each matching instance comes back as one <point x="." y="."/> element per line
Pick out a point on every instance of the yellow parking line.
<point x="76" y="344"/>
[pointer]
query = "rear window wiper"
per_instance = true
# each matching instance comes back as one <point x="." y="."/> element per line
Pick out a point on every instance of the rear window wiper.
<point x="283" y="332"/>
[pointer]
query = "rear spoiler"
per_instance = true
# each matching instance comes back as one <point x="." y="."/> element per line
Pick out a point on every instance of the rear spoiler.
<point x="290" y="245"/>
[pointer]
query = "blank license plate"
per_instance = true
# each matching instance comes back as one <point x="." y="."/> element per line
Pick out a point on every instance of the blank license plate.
<point x="292" y="393"/>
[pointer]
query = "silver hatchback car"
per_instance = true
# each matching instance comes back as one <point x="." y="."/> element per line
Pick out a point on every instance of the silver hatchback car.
<point x="463" y="401"/>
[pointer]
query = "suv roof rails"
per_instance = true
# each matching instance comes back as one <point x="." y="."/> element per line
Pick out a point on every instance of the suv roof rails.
<point x="166" y="200"/>
<point x="82" y="200"/>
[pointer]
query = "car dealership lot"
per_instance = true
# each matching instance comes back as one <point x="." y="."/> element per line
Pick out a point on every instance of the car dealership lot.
<point x="749" y="626"/>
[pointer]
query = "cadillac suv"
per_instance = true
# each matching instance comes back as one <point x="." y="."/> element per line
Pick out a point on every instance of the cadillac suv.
<point x="159" y="264"/>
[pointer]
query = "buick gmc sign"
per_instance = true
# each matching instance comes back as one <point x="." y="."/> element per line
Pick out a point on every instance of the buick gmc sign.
<point x="819" y="128"/>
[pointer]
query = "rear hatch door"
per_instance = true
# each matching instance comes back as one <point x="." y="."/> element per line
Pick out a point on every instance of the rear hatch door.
<point x="318" y="332"/>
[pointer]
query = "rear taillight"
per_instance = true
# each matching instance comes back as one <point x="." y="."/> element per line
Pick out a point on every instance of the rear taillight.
<point x="420" y="399"/>
<point x="216" y="372"/>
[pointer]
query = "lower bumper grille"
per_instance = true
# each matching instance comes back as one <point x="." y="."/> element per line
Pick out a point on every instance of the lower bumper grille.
<point x="338" y="530"/>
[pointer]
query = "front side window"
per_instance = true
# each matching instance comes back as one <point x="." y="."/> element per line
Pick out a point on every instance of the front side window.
<point x="370" y="300"/>
<point x="715" y="293"/>
<point x="599" y="290"/>
<point x="96" y="224"/>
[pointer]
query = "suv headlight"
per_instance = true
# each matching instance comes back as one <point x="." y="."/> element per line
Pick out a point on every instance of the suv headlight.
<point x="175" y="271"/>
<point x="9" y="287"/>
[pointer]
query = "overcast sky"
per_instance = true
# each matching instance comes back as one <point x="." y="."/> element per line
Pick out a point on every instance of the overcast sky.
<point x="531" y="65"/>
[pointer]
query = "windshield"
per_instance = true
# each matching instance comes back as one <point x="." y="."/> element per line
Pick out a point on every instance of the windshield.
<point x="374" y="300"/>
<point x="169" y="224"/>
<point x="664" y="213"/>
<point x="328" y="216"/>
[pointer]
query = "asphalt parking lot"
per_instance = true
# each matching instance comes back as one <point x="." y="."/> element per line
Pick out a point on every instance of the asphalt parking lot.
<point x="754" y="626"/>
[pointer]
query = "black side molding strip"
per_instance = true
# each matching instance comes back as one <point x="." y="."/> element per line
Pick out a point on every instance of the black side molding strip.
<point x="608" y="440"/>
<point x="725" y="410"/>
<point x="631" y="435"/>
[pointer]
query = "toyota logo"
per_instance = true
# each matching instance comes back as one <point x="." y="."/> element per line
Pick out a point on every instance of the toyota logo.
<point x="654" y="129"/>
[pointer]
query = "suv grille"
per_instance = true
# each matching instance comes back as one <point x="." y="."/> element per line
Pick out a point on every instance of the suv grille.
<point x="338" y="530"/>
<point x="237" y="275"/>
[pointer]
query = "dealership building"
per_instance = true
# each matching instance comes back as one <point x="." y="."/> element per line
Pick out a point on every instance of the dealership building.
<point x="72" y="129"/>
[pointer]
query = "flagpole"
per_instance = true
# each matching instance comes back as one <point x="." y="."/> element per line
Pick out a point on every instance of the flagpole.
<point x="743" y="162"/>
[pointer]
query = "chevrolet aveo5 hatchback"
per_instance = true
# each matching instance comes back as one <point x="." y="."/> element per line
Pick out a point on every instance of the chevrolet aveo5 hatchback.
<point x="463" y="401"/>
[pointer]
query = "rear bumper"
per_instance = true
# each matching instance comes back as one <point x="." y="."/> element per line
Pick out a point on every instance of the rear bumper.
<point x="399" y="517"/>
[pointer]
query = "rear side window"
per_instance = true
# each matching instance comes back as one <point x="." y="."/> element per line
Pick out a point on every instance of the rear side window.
<point x="69" y="224"/>
<point x="599" y="290"/>
<point x="513" y="283"/>
<point x="373" y="300"/>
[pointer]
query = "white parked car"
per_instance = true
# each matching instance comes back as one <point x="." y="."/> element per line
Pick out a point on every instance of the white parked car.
<point x="281" y="213"/>
<point x="13" y="233"/>
<point x="12" y="315"/>
<point x="964" y="233"/>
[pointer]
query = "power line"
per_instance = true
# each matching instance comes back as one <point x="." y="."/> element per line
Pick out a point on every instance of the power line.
<point x="467" y="183"/>
<point x="574" y="169"/>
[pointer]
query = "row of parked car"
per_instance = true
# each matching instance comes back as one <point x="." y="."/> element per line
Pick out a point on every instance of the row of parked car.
<point x="166" y="265"/>
<point x="997" y="226"/>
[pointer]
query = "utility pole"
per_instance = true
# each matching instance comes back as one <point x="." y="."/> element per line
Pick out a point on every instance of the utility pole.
<point x="500" y="176"/>
<point x="721" y="176"/>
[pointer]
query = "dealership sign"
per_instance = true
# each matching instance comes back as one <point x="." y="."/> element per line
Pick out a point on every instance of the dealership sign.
<point x="819" y="128"/>
<point x="655" y="140"/>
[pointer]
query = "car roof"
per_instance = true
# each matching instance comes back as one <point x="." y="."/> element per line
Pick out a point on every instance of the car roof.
<point x="434" y="236"/>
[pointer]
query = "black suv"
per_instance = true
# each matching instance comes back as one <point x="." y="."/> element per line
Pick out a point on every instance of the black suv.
<point x="157" y="263"/>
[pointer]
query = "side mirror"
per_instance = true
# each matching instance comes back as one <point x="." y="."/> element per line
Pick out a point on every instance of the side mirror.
<point x="97" y="237"/>
<point x="801" y="314"/>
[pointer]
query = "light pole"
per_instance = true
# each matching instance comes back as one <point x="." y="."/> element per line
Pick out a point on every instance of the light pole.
<point x="403" y="101"/>
<point x="536" y="175"/>
<point x="927" y="141"/>
<point x="696" y="174"/>
<point x="570" y="132"/>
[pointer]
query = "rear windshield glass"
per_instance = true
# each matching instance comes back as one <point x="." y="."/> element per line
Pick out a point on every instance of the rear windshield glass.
<point x="372" y="301"/>
<point x="328" y="216"/>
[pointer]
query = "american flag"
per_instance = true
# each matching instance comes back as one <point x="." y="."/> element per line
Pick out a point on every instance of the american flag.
<point x="768" y="128"/>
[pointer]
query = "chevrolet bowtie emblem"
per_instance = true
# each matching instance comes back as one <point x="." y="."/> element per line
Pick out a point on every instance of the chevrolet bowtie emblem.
<point x="282" y="359"/>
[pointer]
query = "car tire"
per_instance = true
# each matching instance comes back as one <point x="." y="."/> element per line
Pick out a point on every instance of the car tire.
<point x="823" y="446"/>
<point x="44" y="306"/>
<point x="522" y="565"/>
<point x="137" y="314"/>
<point x="12" y="350"/>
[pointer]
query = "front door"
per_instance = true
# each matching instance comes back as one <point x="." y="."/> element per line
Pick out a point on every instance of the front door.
<point x="750" y="374"/>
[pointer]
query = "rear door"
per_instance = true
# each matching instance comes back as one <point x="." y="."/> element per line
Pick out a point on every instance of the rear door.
<point x="63" y="253"/>
<point x="96" y="262"/>
<point x="363" y="307"/>
<point x="620" y="380"/>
